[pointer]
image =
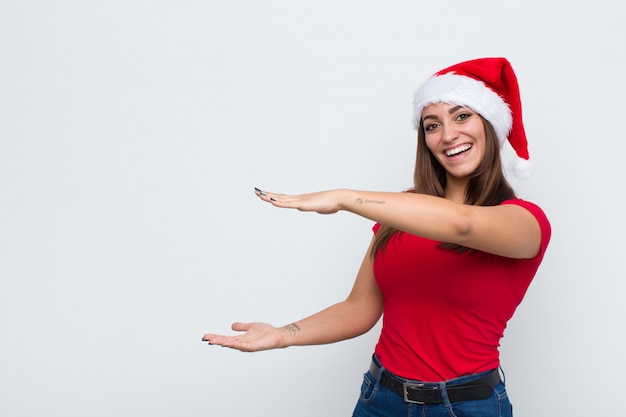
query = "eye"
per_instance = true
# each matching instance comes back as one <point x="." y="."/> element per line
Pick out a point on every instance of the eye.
<point x="430" y="127"/>
<point x="464" y="116"/>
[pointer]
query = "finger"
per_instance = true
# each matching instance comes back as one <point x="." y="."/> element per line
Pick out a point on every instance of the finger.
<point x="221" y="339"/>
<point x="228" y="341"/>
<point x="286" y="200"/>
<point x="263" y="193"/>
<point x="269" y="196"/>
<point x="233" y="342"/>
<point x="214" y="339"/>
<point x="240" y="327"/>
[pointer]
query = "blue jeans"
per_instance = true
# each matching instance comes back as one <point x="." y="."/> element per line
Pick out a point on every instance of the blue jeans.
<point x="377" y="401"/>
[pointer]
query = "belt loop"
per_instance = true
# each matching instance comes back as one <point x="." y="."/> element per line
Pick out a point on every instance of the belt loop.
<point x="501" y="372"/>
<point x="376" y="365"/>
<point x="443" y="387"/>
<point x="379" y="371"/>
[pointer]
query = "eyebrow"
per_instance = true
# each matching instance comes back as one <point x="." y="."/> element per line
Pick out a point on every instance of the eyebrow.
<point x="452" y="110"/>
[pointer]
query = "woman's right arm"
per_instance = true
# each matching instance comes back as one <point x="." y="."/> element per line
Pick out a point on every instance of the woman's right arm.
<point x="352" y="317"/>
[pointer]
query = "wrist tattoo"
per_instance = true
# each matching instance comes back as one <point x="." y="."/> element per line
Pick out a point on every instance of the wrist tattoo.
<point x="360" y="201"/>
<point x="292" y="328"/>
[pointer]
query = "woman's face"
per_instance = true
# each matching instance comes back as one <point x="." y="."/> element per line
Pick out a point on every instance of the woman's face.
<point x="456" y="137"/>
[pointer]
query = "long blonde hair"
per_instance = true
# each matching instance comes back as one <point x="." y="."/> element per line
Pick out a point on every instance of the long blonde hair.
<point x="487" y="185"/>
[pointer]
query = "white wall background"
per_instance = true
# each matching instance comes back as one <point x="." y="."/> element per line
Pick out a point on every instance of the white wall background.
<point x="133" y="132"/>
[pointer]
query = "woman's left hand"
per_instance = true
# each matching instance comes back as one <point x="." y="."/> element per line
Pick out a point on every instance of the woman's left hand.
<point x="323" y="202"/>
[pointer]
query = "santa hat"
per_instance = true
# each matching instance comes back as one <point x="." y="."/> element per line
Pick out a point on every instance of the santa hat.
<point x="489" y="87"/>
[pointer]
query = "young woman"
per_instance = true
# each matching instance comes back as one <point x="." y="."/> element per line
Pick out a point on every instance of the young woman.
<point x="450" y="260"/>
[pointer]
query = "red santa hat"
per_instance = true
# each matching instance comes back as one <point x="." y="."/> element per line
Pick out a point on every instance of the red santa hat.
<point x="489" y="87"/>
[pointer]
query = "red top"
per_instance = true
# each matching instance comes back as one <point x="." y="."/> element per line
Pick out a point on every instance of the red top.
<point x="445" y="312"/>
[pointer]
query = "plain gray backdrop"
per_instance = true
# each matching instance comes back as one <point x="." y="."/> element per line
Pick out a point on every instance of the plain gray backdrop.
<point x="133" y="132"/>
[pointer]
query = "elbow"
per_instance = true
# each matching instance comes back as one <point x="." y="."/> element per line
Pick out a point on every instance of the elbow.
<point x="366" y="317"/>
<point x="462" y="230"/>
<point x="367" y="325"/>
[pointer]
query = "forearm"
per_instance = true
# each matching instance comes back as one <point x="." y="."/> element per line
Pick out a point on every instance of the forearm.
<point x="427" y="216"/>
<point x="340" y="321"/>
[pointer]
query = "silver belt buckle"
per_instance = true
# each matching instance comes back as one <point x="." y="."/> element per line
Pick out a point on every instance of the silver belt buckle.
<point x="405" y="389"/>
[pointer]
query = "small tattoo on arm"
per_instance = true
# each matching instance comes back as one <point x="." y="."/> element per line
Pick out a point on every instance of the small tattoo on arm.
<point x="292" y="328"/>
<point x="360" y="201"/>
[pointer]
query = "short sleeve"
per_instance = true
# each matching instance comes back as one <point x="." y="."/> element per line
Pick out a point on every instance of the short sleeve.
<point x="542" y="219"/>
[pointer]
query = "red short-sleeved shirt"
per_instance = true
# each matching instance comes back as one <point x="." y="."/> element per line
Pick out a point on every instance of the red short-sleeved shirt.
<point x="445" y="312"/>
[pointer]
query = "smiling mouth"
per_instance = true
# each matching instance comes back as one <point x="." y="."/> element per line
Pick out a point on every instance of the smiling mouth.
<point x="458" y="150"/>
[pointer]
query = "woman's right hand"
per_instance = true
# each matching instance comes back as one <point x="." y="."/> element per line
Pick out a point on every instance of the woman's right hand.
<point x="257" y="336"/>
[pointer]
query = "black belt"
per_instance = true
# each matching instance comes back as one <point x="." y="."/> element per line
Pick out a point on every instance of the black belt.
<point x="420" y="393"/>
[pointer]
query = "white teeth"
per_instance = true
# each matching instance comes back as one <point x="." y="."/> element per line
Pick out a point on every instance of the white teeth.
<point x="458" y="150"/>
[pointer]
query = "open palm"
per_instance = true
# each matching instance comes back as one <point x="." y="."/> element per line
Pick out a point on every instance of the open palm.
<point x="257" y="336"/>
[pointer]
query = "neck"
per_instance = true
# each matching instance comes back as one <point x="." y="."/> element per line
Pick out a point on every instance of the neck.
<point x="455" y="189"/>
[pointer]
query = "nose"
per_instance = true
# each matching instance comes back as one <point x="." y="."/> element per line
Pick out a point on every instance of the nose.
<point x="449" y="132"/>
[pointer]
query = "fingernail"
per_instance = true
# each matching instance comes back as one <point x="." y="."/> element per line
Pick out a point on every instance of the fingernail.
<point x="260" y="192"/>
<point x="272" y="199"/>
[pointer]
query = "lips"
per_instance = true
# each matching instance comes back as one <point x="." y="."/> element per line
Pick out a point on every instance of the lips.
<point x="450" y="153"/>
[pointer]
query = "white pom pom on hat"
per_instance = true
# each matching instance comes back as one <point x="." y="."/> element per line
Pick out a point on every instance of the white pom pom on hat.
<point x="489" y="87"/>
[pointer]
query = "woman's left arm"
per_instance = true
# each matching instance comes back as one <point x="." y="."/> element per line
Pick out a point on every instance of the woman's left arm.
<point x="506" y="230"/>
